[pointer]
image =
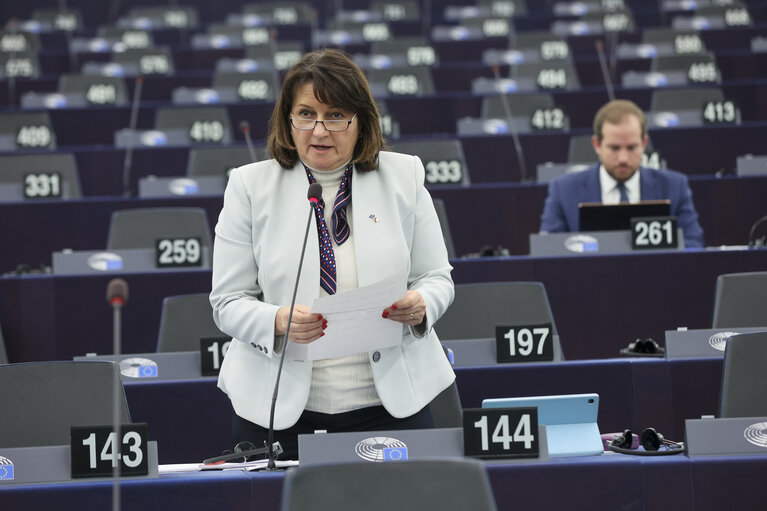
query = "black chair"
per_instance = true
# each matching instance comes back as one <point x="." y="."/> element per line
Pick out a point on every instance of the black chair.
<point x="184" y="320"/>
<point x="218" y="161"/>
<point x="39" y="176"/>
<point x="443" y="160"/>
<point x="3" y="353"/>
<point x="744" y="376"/>
<point x="42" y="400"/>
<point x="141" y="228"/>
<point x="740" y="300"/>
<point x="439" y="206"/>
<point x="684" y="99"/>
<point x="440" y="485"/>
<point x="478" y="308"/>
<point x="26" y="130"/>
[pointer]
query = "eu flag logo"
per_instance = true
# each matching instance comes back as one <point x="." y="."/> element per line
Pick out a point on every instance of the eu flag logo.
<point x="395" y="454"/>
<point x="6" y="469"/>
<point x="147" y="372"/>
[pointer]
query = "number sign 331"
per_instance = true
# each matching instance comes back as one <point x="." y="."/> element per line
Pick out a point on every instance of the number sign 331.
<point x="96" y="450"/>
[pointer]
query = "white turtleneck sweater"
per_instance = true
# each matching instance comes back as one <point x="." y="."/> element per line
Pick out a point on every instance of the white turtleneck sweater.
<point x="346" y="383"/>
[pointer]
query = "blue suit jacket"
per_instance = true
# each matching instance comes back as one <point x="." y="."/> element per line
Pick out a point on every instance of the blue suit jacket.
<point x="560" y="212"/>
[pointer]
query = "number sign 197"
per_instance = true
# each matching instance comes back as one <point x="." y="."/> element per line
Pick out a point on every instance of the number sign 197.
<point x="524" y="343"/>
<point x="212" y="352"/>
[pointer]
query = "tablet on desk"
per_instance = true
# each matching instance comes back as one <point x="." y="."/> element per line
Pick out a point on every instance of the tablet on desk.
<point x="570" y="419"/>
<point x="595" y="216"/>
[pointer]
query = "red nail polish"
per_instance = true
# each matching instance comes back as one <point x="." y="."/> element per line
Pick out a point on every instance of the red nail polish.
<point x="324" y="326"/>
<point x="394" y="306"/>
<point x="322" y="334"/>
<point x="385" y="314"/>
<point x="319" y="316"/>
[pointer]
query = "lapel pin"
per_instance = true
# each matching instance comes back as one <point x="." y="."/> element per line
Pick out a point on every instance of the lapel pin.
<point x="373" y="218"/>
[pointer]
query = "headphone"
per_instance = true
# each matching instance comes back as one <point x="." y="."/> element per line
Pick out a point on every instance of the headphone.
<point x="243" y="452"/>
<point x="644" y="348"/>
<point x="651" y="440"/>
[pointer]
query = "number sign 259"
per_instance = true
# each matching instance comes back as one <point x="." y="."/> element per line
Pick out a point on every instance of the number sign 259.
<point x="178" y="252"/>
<point x="96" y="450"/>
<point x="500" y="432"/>
<point x="654" y="232"/>
<point x="524" y="343"/>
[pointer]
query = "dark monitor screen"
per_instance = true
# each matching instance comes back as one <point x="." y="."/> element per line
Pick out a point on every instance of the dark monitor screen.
<point x="595" y="216"/>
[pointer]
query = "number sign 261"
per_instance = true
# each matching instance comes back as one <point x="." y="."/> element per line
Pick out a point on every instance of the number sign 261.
<point x="654" y="233"/>
<point x="501" y="432"/>
<point x="524" y="343"/>
<point x="96" y="450"/>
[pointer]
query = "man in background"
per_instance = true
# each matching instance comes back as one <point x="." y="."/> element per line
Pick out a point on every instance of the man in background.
<point x="619" y="140"/>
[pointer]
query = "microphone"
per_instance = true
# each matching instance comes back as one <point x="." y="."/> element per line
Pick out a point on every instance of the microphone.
<point x="245" y="128"/>
<point x="314" y="195"/>
<point x="132" y="130"/>
<point x="603" y="66"/>
<point x="756" y="242"/>
<point x="512" y="128"/>
<point x="117" y="296"/>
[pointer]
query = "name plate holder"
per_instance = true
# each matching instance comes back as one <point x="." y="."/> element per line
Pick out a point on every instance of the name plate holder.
<point x="164" y="366"/>
<point x="483" y="352"/>
<point x="722" y="437"/>
<point x="52" y="464"/>
<point x="702" y="343"/>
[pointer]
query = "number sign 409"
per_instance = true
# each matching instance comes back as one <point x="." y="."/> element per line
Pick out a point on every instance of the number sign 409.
<point x="97" y="450"/>
<point x="654" y="232"/>
<point x="501" y="432"/>
<point x="524" y="343"/>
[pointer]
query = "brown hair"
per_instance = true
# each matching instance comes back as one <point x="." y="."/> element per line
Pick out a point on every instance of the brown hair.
<point x="614" y="112"/>
<point x="339" y="82"/>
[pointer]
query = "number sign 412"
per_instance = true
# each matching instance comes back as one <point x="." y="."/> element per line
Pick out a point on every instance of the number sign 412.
<point x="97" y="450"/>
<point x="524" y="343"/>
<point x="501" y="432"/>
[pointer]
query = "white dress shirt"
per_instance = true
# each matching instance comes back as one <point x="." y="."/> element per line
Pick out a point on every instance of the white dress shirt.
<point x="610" y="192"/>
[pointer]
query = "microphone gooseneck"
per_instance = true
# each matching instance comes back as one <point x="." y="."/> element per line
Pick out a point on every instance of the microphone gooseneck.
<point x="245" y="129"/>
<point x="512" y="129"/>
<point x="128" y="160"/>
<point x="117" y="297"/>
<point x="314" y="194"/>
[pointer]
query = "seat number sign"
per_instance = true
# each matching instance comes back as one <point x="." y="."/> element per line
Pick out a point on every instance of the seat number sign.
<point x="171" y="252"/>
<point x="501" y="432"/>
<point x="654" y="232"/>
<point x="524" y="343"/>
<point x="97" y="450"/>
<point x="212" y="352"/>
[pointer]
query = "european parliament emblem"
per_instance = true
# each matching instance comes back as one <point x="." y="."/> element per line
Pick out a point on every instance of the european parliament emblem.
<point x="147" y="372"/>
<point x="6" y="469"/>
<point x="395" y="454"/>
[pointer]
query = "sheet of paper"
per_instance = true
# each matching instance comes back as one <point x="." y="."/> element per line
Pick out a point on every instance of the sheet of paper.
<point x="354" y="319"/>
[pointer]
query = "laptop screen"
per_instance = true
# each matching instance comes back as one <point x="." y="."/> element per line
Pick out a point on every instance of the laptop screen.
<point x="595" y="216"/>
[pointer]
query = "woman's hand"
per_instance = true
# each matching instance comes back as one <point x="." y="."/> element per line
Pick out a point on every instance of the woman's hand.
<point x="305" y="326"/>
<point x="410" y="310"/>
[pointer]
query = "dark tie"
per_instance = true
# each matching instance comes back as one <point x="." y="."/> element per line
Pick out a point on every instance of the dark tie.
<point x="340" y="228"/>
<point x="622" y="190"/>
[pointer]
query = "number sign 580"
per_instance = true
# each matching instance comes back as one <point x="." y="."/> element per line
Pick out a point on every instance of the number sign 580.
<point x="178" y="252"/>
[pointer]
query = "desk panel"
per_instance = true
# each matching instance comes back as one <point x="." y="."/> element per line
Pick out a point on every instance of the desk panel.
<point x="191" y="419"/>
<point x="619" y="299"/>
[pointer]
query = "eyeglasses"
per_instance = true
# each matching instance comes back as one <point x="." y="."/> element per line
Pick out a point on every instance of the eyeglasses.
<point x="330" y="125"/>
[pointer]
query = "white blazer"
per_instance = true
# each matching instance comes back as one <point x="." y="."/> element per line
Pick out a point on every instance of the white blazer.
<point x="256" y="253"/>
